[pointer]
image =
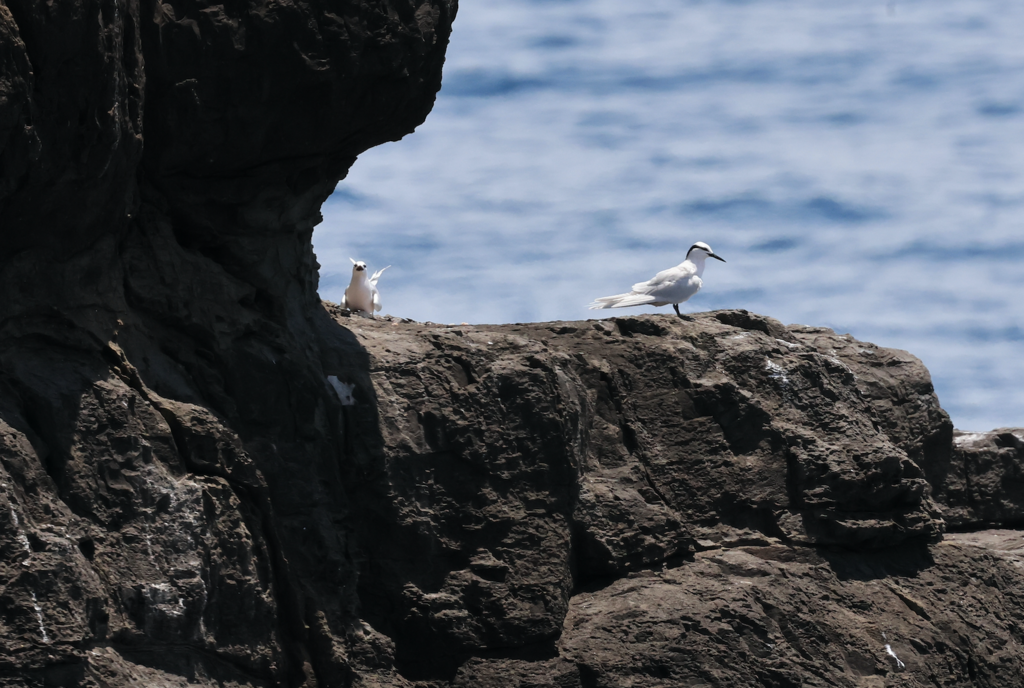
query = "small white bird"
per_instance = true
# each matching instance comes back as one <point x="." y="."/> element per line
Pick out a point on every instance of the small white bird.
<point x="361" y="293"/>
<point x="674" y="285"/>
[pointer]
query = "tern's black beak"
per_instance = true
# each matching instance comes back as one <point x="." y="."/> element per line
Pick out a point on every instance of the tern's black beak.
<point x="712" y="255"/>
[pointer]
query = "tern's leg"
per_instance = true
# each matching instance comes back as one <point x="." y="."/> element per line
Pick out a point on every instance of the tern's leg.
<point x="681" y="316"/>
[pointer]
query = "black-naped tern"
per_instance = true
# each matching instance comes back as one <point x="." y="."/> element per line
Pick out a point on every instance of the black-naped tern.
<point x="674" y="285"/>
<point x="361" y="293"/>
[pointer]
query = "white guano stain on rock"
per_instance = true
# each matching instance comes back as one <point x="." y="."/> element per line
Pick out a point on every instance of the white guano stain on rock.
<point x="889" y="651"/>
<point x="777" y="373"/>
<point x="39" y="616"/>
<point x="343" y="390"/>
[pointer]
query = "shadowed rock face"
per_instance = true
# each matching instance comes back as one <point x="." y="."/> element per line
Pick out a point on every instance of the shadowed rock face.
<point x="208" y="477"/>
<point x="235" y="118"/>
<point x="170" y="494"/>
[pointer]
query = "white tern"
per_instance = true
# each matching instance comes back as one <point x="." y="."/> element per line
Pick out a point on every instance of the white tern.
<point x="361" y="293"/>
<point x="674" y="285"/>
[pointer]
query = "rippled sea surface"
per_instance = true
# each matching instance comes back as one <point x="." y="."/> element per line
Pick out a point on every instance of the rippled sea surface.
<point x="860" y="165"/>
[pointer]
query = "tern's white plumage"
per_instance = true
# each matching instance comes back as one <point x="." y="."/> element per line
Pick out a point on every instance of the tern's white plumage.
<point x="361" y="293"/>
<point x="674" y="285"/>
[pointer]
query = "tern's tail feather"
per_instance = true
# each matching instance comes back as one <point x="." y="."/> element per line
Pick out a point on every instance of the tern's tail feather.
<point x="622" y="301"/>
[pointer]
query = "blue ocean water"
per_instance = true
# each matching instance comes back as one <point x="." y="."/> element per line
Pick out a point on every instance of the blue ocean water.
<point x="860" y="166"/>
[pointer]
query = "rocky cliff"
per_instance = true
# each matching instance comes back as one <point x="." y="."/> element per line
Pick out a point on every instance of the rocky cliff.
<point x="209" y="477"/>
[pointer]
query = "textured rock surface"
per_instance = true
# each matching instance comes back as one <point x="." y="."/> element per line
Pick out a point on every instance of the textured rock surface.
<point x="207" y="477"/>
<point x="779" y="616"/>
<point x="984" y="484"/>
<point x="652" y="501"/>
